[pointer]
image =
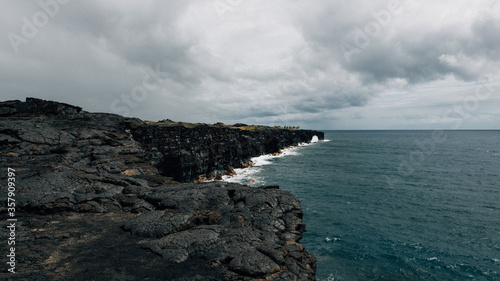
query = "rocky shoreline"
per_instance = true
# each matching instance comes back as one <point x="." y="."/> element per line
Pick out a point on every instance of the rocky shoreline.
<point x="104" y="197"/>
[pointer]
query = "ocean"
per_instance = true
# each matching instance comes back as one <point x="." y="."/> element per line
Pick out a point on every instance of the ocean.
<point x="395" y="205"/>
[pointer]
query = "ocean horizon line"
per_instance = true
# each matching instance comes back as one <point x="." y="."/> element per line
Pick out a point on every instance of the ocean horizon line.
<point x="392" y="130"/>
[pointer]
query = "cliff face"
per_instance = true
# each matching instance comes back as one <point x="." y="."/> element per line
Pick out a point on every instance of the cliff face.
<point x="93" y="186"/>
<point x="186" y="153"/>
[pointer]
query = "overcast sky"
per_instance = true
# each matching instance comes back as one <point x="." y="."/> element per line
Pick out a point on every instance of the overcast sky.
<point x="320" y="64"/>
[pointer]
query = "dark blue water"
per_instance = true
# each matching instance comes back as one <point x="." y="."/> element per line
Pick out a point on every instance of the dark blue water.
<point x="398" y="205"/>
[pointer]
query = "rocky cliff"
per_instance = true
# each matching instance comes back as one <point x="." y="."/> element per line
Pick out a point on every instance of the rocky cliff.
<point x="96" y="199"/>
<point x="208" y="151"/>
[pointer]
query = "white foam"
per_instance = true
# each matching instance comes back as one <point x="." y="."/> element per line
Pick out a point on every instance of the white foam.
<point x="247" y="175"/>
<point x="267" y="159"/>
<point x="262" y="160"/>
<point x="315" y="139"/>
<point x="328" y="239"/>
<point x="330" y="278"/>
<point x="244" y="176"/>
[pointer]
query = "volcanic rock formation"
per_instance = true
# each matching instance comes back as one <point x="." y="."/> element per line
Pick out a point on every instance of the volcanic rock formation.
<point x="99" y="197"/>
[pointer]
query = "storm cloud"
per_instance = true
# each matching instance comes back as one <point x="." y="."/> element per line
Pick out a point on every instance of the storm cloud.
<point x="318" y="64"/>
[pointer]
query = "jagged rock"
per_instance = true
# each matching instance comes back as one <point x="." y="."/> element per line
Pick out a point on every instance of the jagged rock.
<point x="213" y="150"/>
<point x="90" y="186"/>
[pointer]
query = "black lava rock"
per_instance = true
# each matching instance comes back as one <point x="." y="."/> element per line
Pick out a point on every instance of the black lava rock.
<point x="99" y="198"/>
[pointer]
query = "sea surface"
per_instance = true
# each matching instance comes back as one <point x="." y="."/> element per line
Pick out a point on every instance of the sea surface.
<point x="395" y="205"/>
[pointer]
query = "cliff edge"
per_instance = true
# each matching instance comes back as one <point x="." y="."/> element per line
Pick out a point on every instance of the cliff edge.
<point x="98" y="197"/>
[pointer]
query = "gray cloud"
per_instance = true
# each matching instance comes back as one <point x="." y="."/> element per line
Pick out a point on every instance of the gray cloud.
<point x="399" y="49"/>
<point x="275" y="63"/>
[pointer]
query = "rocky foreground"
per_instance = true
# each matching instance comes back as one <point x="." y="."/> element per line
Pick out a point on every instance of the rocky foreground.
<point x="99" y="197"/>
